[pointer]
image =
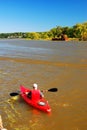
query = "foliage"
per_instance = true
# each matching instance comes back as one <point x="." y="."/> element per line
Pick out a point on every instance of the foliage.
<point x="78" y="31"/>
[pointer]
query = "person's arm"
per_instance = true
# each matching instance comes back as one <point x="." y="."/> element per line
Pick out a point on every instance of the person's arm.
<point x="43" y="91"/>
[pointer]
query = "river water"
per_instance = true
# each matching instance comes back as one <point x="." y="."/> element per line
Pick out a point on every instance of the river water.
<point x="50" y="64"/>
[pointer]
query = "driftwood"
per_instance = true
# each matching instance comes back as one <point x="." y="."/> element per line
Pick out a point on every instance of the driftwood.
<point x="1" y="124"/>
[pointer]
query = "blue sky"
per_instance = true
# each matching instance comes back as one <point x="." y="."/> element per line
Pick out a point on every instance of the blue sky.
<point x="40" y="15"/>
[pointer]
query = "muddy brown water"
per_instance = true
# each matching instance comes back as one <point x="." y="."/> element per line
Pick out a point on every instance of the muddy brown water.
<point x="50" y="64"/>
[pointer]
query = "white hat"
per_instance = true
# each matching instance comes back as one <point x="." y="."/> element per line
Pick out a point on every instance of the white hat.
<point x="35" y="85"/>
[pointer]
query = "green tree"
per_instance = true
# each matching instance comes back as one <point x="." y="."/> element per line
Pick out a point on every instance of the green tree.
<point x="84" y="31"/>
<point x="54" y="32"/>
<point x="59" y="31"/>
<point x="77" y="30"/>
<point x="33" y="35"/>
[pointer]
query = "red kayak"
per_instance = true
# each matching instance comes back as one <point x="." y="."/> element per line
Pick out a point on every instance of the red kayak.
<point x="40" y="104"/>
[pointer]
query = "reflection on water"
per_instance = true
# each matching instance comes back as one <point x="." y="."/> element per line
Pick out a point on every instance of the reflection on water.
<point x="50" y="64"/>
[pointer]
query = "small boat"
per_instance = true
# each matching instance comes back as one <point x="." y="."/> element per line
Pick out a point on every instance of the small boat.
<point x="40" y="104"/>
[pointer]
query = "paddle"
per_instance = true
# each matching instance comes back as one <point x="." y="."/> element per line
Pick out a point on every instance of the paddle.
<point x="14" y="94"/>
<point x="52" y="90"/>
<point x="49" y="90"/>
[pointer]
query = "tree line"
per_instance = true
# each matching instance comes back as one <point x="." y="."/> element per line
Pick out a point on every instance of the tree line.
<point x="76" y="32"/>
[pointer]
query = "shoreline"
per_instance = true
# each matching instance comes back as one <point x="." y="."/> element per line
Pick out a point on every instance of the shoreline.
<point x="69" y="39"/>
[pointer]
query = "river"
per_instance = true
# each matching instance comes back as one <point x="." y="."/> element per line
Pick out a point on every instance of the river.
<point x="49" y="64"/>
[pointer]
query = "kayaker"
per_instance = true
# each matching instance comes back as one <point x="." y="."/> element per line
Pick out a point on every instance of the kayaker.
<point x="35" y="93"/>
